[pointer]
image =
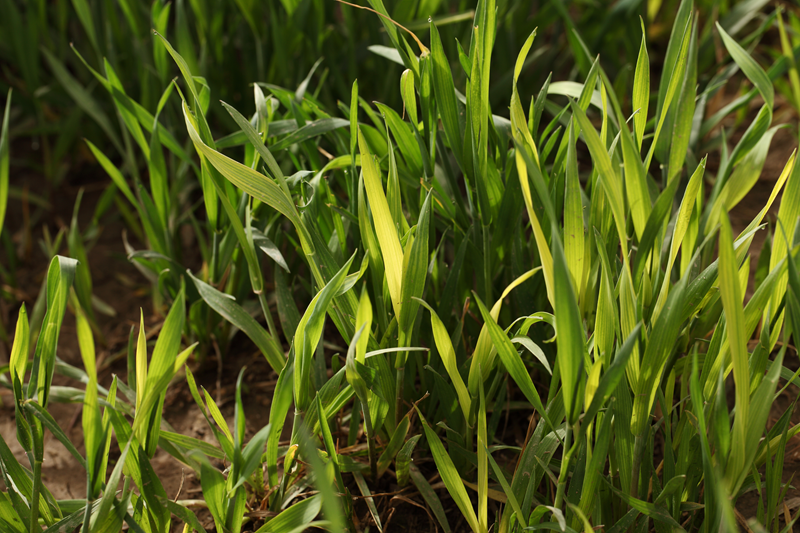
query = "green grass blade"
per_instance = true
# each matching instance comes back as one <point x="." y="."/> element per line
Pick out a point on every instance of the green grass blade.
<point x="141" y="363"/>
<point x="448" y="355"/>
<point x="608" y="383"/>
<point x="430" y="497"/>
<point x="683" y="124"/>
<point x="287" y="308"/>
<point x="641" y="90"/>
<point x="732" y="298"/>
<point x="384" y="225"/>
<point x="749" y="67"/>
<point x="672" y="57"/>
<point x="60" y="276"/>
<point x="607" y="322"/>
<point x="408" y="94"/>
<point x="125" y="108"/>
<point x="109" y="495"/>
<point x="786" y="48"/>
<point x="269" y="248"/>
<point x="18" y="479"/>
<point x="330" y="447"/>
<point x="403" y="471"/>
<point x="415" y="269"/>
<point x="574" y="238"/>
<point x="190" y="443"/>
<point x="82" y="98"/>
<point x="408" y="59"/>
<point x="248" y="180"/>
<point x="231" y="311"/>
<point x="669" y="86"/>
<point x="743" y="178"/>
<point x="84" y="12"/>
<point x="483" y="463"/>
<point x="214" y="493"/>
<point x="655" y="222"/>
<point x="512" y="499"/>
<point x="747" y="233"/>
<point x="189" y="79"/>
<point x="679" y="230"/>
<point x="308" y="334"/>
<point x="635" y="181"/>
<point x="450" y="476"/>
<point x="310" y="131"/>
<point x="114" y="173"/>
<point x="83" y="276"/>
<point x="157" y="166"/>
<point x="571" y="338"/>
<point x="595" y="467"/>
<point x="93" y="433"/>
<point x="660" y="344"/>
<point x="50" y="423"/>
<point x="658" y="514"/>
<point x="444" y="89"/>
<point x="609" y="179"/>
<point x="395" y="445"/>
<point x="364" y="489"/>
<point x="511" y="360"/>
<point x="20" y="349"/>
<point x="162" y="360"/>
<point x="279" y="408"/>
<point x="759" y="409"/>
<point x="354" y="118"/>
<point x="188" y="517"/>
<point x="297" y="516"/>
<point x="324" y="483"/>
<point x="788" y="213"/>
<point x="364" y="317"/>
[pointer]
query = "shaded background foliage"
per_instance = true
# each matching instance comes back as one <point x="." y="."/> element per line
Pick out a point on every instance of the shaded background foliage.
<point x="234" y="44"/>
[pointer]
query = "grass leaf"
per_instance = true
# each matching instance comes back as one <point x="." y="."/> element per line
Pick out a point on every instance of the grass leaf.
<point x="450" y="476"/>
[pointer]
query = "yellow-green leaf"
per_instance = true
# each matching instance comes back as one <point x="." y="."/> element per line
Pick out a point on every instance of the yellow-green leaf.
<point x="384" y="225"/>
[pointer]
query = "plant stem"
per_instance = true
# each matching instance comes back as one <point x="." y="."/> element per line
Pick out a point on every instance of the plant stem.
<point x="470" y="434"/>
<point x="562" y="476"/>
<point x="212" y="271"/>
<point x="87" y="515"/>
<point x="37" y="456"/>
<point x="400" y="364"/>
<point x="399" y="384"/>
<point x="37" y="482"/>
<point x="638" y="448"/>
<point x="487" y="266"/>
<point x="262" y="299"/>
<point x="373" y="460"/>
<point x="298" y="414"/>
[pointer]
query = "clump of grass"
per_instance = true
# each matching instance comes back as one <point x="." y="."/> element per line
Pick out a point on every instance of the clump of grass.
<point x="471" y="264"/>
